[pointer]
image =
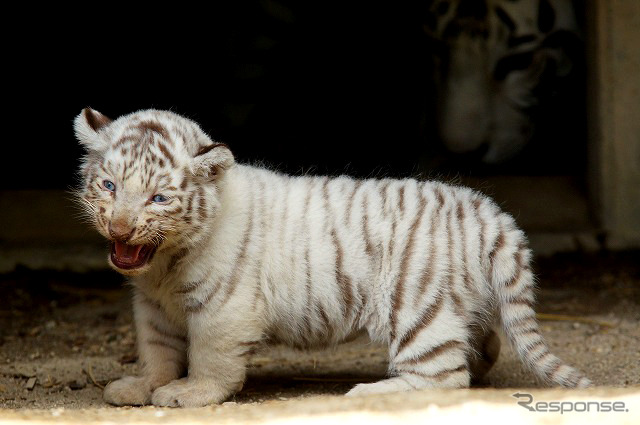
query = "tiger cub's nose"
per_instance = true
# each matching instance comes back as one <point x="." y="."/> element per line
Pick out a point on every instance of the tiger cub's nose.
<point x="120" y="231"/>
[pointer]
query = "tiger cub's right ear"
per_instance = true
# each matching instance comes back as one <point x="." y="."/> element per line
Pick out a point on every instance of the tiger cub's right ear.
<point x="212" y="160"/>
<point x="87" y="125"/>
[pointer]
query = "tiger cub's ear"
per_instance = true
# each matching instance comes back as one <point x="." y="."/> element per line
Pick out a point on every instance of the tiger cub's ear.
<point x="212" y="160"/>
<point x="87" y="125"/>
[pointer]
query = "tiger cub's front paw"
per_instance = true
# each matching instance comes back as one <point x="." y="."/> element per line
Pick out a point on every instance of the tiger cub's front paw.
<point x="190" y="393"/>
<point x="128" y="391"/>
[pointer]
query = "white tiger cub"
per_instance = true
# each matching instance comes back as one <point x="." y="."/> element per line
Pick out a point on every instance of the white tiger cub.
<point x="223" y="256"/>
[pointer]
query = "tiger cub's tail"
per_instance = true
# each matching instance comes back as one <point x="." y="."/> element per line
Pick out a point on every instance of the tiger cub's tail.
<point x="514" y="284"/>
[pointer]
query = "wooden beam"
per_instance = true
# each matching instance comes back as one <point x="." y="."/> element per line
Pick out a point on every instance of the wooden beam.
<point x="613" y="61"/>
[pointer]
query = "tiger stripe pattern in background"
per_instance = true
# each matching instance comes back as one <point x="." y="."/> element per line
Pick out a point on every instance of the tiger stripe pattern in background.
<point x="499" y="65"/>
<point x="223" y="257"/>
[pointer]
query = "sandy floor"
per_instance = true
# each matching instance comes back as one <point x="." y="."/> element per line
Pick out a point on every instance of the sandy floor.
<point x="64" y="336"/>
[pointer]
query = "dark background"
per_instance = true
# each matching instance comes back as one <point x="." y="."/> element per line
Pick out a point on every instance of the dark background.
<point x="317" y="87"/>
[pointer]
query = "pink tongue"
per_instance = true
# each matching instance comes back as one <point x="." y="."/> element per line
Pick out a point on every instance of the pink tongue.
<point x="127" y="253"/>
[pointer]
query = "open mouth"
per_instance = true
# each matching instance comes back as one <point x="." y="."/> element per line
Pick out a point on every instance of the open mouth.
<point x="129" y="257"/>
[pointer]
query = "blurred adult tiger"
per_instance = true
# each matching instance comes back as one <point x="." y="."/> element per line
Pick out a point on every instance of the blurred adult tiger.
<point x="223" y="256"/>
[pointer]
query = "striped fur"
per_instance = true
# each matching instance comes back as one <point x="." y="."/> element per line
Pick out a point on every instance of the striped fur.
<point x="246" y="255"/>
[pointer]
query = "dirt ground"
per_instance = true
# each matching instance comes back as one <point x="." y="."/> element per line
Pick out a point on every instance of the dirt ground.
<point x="63" y="336"/>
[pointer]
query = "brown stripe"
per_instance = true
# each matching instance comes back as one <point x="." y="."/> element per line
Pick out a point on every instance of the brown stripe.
<point x="435" y="351"/>
<point x="298" y="233"/>
<point x="463" y="238"/>
<point x="427" y="274"/>
<point x="191" y="195"/>
<point x="458" y="306"/>
<point x="525" y="320"/>
<point x="365" y="227"/>
<point x="284" y="219"/>
<point x="530" y="333"/>
<point x="325" y="195"/>
<point x="452" y="272"/>
<point x="401" y="199"/>
<point x="397" y="297"/>
<point x="184" y="182"/>
<point x="165" y="333"/>
<point x="362" y="292"/>
<point x="154" y="127"/>
<point x="344" y="282"/>
<point x="307" y="253"/>
<point x="521" y="301"/>
<point x="249" y="348"/>
<point x="525" y="326"/>
<point x="194" y="305"/>
<point x="142" y="297"/>
<point x="173" y="211"/>
<point x="546" y="356"/>
<point x="554" y="369"/>
<point x="167" y="154"/>
<point x="261" y="237"/>
<point x="443" y="374"/>
<point x="124" y="139"/>
<point x="514" y="279"/>
<point x="189" y="287"/>
<point x="325" y="319"/>
<point x="202" y="207"/>
<point x="439" y="376"/>
<point x="205" y="149"/>
<point x="269" y="231"/>
<point x="382" y="188"/>
<point x="522" y="246"/>
<point x="497" y="246"/>
<point x="543" y="353"/>
<point x="166" y="344"/>
<point x="240" y="261"/>
<point x="250" y="343"/>
<point x="347" y="219"/>
<point x="476" y="205"/>
<point x="124" y="171"/>
<point x="425" y="320"/>
<point x="450" y="257"/>
<point x="258" y="295"/>
<point x="248" y="352"/>
<point x="392" y="239"/>
<point x="439" y="197"/>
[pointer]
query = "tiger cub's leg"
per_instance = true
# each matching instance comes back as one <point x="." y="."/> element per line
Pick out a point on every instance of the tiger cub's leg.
<point x="218" y="354"/>
<point x="486" y="349"/>
<point x="162" y="351"/>
<point x="432" y="352"/>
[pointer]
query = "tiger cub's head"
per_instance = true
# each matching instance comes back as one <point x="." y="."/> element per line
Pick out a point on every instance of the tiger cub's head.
<point x="150" y="182"/>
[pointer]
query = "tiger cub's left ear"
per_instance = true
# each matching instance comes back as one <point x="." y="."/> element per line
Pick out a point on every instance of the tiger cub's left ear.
<point x="87" y="125"/>
<point x="212" y="160"/>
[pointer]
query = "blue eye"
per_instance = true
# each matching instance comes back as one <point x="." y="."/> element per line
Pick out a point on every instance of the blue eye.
<point x="159" y="198"/>
<point x="109" y="185"/>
